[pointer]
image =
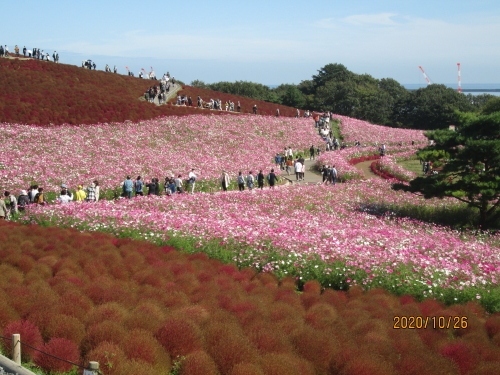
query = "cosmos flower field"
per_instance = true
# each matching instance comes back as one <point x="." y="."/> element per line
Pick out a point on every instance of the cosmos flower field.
<point x="317" y="237"/>
<point x="155" y="148"/>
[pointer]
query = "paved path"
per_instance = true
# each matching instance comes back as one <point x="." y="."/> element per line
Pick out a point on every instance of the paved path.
<point x="172" y="93"/>
<point x="311" y="176"/>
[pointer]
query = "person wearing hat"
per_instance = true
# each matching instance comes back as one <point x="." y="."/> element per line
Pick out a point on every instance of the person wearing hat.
<point x="80" y="194"/>
<point x="67" y="192"/>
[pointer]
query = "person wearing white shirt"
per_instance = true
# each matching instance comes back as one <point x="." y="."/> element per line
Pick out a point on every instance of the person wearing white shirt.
<point x="64" y="197"/>
<point x="192" y="180"/>
<point x="298" y="169"/>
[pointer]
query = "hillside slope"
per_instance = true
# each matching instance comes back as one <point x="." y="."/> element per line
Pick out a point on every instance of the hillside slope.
<point x="42" y="93"/>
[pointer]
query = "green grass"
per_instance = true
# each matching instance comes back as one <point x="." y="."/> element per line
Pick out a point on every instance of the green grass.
<point x="412" y="165"/>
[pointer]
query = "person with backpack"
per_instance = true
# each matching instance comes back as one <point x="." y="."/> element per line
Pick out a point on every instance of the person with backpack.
<point x="241" y="182"/>
<point x="325" y="172"/>
<point x="10" y="203"/>
<point x="138" y="185"/>
<point x="127" y="187"/>
<point x="22" y="200"/>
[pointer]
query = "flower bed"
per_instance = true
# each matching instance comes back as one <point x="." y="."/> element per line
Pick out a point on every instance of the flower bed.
<point x="333" y="225"/>
<point x="388" y="168"/>
<point x="154" y="148"/>
<point x="369" y="134"/>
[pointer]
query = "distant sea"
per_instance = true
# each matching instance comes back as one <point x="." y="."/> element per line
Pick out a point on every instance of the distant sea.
<point x="467" y="88"/>
<point x="477" y="88"/>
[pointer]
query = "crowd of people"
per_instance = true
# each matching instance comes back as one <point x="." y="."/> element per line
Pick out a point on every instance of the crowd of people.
<point x="161" y="91"/>
<point x="11" y="205"/>
<point x="35" y="53"/>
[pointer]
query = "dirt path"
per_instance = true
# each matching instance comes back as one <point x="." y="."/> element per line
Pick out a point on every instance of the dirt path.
<point x="364" y="167"/>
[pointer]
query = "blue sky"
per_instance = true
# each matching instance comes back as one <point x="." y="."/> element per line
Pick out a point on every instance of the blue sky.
<point x="269" y="42"/>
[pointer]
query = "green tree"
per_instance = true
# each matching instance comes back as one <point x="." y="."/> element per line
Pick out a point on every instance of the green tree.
<point x="472" y="172"/>
<point x="332" y="72"/>
<point x="245" y="88"/>
<point x="432" y="107"/>
<point x="199" y="83"/>
<point x="491" y="106"/>
<point x="290" y="95"/>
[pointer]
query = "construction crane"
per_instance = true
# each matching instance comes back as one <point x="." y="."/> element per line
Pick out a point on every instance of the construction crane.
<point x="459" y="89"/>
<point x="425" y="75"/>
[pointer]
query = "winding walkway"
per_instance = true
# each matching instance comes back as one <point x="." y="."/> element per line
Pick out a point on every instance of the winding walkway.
<point x="364" y="167"/>
<point x="312" y="176"/>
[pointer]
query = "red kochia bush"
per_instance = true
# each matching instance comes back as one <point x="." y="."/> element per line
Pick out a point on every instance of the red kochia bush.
<point x="199" y="363"/>
<point x="180" y="337"/>
<point x="246" y="369"/>
<point x="61" y="348"/>
<point x="30" y="334"/>
<point x="286" y="364"/>
<point x="112" y="360"/>
<point x="462" y="354"/>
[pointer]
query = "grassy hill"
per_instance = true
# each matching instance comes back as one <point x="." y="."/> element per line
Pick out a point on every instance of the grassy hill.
<point x="42" y="93"/>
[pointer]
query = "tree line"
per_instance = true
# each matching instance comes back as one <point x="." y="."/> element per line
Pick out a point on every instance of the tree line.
<point x="380" y="101"/>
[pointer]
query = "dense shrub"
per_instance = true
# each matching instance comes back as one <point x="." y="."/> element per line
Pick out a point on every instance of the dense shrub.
<point x="62" y="349"/>
<point x="210" y="318"/>
<point x="72" y="95"/>
<point x="30" y="335"/>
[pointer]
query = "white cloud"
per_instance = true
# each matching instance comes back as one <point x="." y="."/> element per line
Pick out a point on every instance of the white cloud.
<point x="381" y="19"/>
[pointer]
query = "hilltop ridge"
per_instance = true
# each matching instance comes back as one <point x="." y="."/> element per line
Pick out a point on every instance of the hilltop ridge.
<point x="44" y="93"/>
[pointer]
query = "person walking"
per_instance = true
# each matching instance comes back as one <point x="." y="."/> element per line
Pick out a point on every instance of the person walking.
<point x="260" y="180"/>
<point x="272" y="179"/>
<point x="178" y="184"/>
<point x="241" y="181"/>
<point x="225" y="181"/>
<point x="333" y="175"/>
<point x="250" y="180"/>
<point x="128" y="186"/>
<point x="192" y="180"/>
<point x="312" y="151"/>
<point x="298" y="170"/>
<point x="12" y="204"/>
